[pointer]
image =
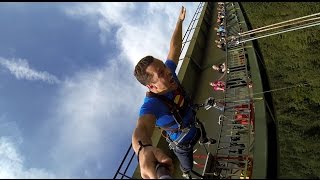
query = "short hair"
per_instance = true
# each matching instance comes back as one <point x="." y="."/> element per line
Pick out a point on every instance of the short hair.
<point x="140" y="70"/>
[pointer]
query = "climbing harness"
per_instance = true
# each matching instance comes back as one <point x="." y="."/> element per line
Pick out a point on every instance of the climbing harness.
<point x="177" y="114"/>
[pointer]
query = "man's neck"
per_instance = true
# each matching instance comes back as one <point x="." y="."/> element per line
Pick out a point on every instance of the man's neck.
<point x="165" y="91"/>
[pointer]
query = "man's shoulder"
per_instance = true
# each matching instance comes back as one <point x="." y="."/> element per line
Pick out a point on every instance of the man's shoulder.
<point x="150" y="101"/>
<point x="171" y="64"/>
<point x="151" y="105"/>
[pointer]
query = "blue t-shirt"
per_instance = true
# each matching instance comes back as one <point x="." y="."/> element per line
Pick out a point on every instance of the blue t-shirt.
<point x="160" y="110"/>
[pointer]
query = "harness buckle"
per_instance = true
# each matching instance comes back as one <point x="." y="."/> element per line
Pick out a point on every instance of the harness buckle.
<point x="172" y="145"/>
<point x="185" y="130"/>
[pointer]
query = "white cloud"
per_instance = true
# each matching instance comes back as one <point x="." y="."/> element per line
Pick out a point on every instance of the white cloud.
<point x="10" y="129"/>
<point x="143" y="28"/>
<point x="97" y="109"/>
<point x="12" y="164"/>
<point x="21" y="70"/>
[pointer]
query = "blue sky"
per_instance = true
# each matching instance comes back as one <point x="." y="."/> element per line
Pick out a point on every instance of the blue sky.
<point x="69" y="100"/>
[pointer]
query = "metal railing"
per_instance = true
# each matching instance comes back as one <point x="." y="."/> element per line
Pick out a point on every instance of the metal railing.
<point x="233" y="156"/>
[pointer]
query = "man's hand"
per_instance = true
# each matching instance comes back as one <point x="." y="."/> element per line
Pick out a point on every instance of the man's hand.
<point x="182" y="14"/>
<point x="149" y="157"/>
<point x="176" y="39"/>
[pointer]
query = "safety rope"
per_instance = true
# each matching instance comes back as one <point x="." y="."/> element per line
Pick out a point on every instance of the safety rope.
<point x="247" y="32"/>
<point x="290" y="24"/>
<point x="273" y="90"/>
<point x="283" y="31"/>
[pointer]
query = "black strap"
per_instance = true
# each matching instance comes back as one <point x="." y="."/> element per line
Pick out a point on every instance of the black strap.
<point x="166" y="100"/>
<point x="141" y="146"/>
<point x="172" y="107"/>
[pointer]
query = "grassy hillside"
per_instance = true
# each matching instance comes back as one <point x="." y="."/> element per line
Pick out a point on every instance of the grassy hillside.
<point x="292" y="58"/>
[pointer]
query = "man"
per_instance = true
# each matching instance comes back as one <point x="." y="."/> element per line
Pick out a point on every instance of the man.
<point x="162" y="82"/>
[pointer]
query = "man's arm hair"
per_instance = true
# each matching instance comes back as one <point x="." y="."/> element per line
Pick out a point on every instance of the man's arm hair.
<point x="176" y="39"/>
<point x="143" y="131"/>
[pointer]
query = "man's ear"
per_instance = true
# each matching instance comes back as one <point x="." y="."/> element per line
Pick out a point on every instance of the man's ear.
<point x="150" y="86"/>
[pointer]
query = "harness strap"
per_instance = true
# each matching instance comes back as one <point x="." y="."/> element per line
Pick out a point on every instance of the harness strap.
<point x="167" y="127"/>
<point x="174" y="144"/>
<point x="175" y="111"/>
<point x="172" y="107"/>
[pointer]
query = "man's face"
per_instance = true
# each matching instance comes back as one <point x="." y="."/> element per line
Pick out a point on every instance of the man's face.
<point x="161" y="80"/>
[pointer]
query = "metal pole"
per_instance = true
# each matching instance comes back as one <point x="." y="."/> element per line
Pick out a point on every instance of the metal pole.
<point x="124" y="158"/>
<point x="125" y="171"/>
<point x="192" y="21"/>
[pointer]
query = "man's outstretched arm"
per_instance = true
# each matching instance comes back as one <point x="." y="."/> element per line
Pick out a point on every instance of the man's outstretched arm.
<point x="176" y="39"/>
<point x="149" y="156"/>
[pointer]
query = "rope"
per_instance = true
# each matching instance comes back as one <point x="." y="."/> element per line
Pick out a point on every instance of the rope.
<point x="259" y="98"/>
<point x="254" y="32"/>
<point x="291" y="29"/>
<point x="280" y="23"/>
<point x="279" y="89"/>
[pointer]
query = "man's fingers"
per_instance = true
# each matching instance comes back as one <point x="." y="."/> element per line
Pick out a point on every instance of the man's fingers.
<point x="153" y="174"/>
<point x="144" y="176"/>
<point x="183" y="10"/>
<point x="164" y="159"/>
<point x="161" y="156"/>
<point x="169" y="164"/>
<point x="149" y="171"/>
<point x="182" y="13"/>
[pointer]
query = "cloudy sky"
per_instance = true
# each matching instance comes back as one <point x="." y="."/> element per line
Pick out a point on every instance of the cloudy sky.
<point x="68" y="97"/>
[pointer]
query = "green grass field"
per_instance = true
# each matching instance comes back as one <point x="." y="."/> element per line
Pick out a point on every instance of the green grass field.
<point x="292" y="58"/>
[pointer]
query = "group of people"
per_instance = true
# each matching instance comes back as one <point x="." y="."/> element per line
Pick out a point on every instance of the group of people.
<point x="222" y="40"/>
<point x="221" y="31"/>
<point x="233" y="38"/>
<point x="219" y="85"/>
<point x="221" y="43"/>
<point x="241" y="116"/>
